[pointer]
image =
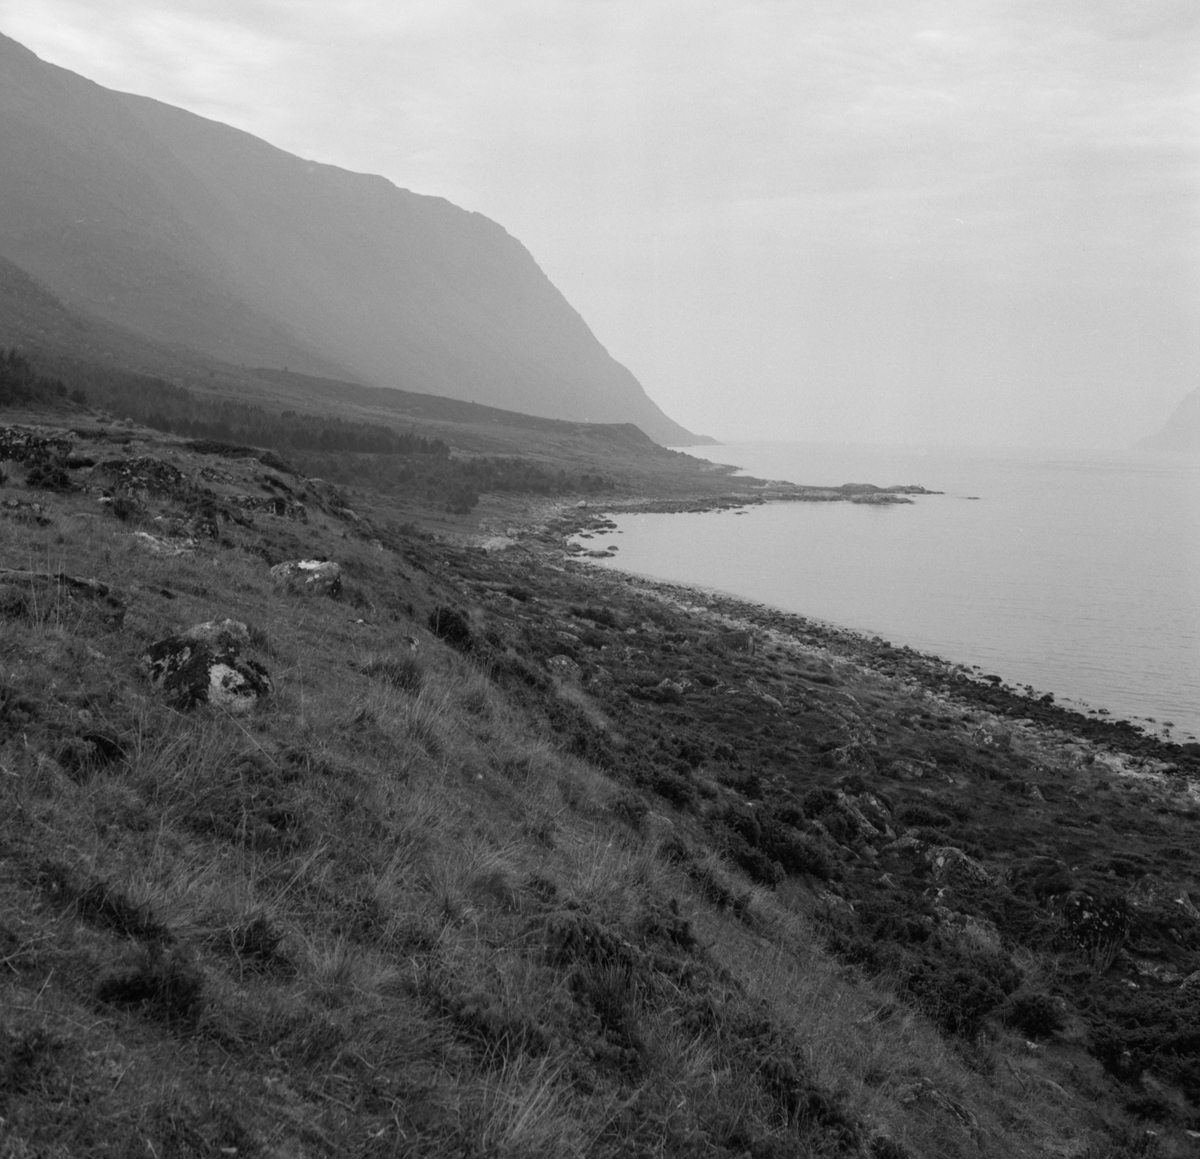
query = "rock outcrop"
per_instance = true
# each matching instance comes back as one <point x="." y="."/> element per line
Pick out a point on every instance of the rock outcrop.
<point x="204" y="665"/>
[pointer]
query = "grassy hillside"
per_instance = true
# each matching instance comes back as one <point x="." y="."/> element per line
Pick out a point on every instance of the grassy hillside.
<point x="519" y="859"/>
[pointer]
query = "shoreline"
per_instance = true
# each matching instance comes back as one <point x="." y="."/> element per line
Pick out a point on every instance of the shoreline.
<point x="550" y="537"/>
<point x="1144" y="718"/>
<point x="937" y="674"/>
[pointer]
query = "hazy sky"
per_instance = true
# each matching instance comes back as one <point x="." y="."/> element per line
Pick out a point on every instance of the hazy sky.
<point x="881" y="220"/>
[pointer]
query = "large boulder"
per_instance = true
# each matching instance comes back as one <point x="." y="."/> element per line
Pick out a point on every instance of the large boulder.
<point x="310" y="577"/>
<point x="204" y="665"/>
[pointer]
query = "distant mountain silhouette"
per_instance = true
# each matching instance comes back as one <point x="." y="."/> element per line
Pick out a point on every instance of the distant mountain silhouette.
<point x="184" y="230"/>
<point x="1181" y="432"/>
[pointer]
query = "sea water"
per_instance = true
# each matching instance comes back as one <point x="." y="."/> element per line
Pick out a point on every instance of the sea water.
<point x="1076" y="573"/>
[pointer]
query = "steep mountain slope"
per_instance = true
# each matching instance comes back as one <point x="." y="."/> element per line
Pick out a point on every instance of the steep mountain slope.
<point x="1181" y="432"/>
<point x="40" y="323"/>
<point x="134" y="377"/>
<point x="189" y="231"/>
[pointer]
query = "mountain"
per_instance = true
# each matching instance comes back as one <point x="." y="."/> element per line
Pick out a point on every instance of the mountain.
<point x="35" y="319"/>
<point x="1181" y="432"/>
<point x="115" y="367"/>
<point x="184" y="230"/>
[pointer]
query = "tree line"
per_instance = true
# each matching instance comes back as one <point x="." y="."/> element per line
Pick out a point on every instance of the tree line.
<point x="340" y="450"/>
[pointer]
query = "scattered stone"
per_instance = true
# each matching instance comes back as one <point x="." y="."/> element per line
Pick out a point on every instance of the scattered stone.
<point x="973" y="933"/>
<point x="150" y="476"/>
<point x="852" y="755"/>
<point x="988" y="738"/>
<point x="564" y="666"/>
<point x="906" y="770"/>
<point x="23" y="445"/>
<point x="157" y="546"/>
<point x="949" y="863"/>
<point x="1157" y="971"/>
<point x="24" y="512"/>
<point x="204" y="665"/>
<point x="739" y="641"/>
<point x="274" y="505"/>
<point x="1148" y="893"/>
<point x="310" y="577"/>
<point x="674" y="687"/>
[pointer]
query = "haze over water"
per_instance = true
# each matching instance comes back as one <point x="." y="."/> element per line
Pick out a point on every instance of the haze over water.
<point x="1078" y="573"/>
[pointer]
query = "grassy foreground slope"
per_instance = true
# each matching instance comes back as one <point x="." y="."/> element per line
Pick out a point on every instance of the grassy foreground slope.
<point x="517" y="859"/>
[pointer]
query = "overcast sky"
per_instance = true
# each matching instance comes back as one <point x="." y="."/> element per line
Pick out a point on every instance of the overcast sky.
<point x="924" y="221"/>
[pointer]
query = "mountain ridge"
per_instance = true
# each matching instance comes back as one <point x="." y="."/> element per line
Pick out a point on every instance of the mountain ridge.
<point x="189" y="231"/>
<point x="1181" y="431"/>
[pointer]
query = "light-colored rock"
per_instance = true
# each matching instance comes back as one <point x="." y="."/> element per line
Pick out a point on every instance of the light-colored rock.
<point x="679" y="687"/>
<point x="1150" y="893"/>
<point x="157" y="546"/>
<point x="949" y="862"/>
<point x="309" y="576"/>
<point x="1157" y="971"/>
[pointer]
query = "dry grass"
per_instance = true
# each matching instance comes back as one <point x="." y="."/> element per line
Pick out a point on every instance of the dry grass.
<point x="394" y="917"/>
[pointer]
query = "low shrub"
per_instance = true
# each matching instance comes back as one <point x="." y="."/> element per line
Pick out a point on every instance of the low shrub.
<point x="631" y="808"/>
<point x="1137" y="1032"/>
<point x="1032" y="1012"/>
<point x="404" y="672"/>
<point x="924" y="816"/>
<point x="596" y="615"/>
<point x="494" y="1029"/>
<point x="452" y="626"/>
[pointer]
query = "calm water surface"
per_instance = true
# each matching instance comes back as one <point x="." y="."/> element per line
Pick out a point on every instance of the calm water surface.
<point x="1076" y="573"/>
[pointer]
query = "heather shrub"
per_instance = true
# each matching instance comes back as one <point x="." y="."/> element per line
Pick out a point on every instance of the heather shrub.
<point x="1033" y="1013"/>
